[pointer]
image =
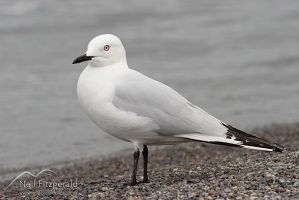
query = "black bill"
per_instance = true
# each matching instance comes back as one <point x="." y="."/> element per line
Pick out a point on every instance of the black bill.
<point x="82" y="59"/>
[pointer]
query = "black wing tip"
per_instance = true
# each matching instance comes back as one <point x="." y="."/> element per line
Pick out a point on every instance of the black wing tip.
<point x="278" y="148"/>
<point x="251" y="140"/>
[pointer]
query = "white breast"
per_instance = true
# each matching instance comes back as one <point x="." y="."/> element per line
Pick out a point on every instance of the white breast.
<point x="95" y="90"/>
<point x="95" y="93"/>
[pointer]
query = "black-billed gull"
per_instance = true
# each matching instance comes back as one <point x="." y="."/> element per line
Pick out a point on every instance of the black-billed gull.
<point x="143" y="111"/>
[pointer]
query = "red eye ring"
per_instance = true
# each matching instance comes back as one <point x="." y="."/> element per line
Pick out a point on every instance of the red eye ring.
<point x="106" y="48"/>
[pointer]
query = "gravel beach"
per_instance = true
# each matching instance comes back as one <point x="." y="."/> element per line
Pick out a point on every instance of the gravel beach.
<point x="187" y="171"/>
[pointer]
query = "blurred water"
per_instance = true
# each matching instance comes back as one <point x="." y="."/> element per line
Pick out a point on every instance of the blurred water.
<point x="236" y="59"/>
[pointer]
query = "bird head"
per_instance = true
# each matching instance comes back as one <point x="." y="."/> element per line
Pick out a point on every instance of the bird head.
<point x="103" y="50"/>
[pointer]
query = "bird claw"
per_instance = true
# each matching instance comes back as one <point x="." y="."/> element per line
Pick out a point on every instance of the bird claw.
<point x="133" y="183"/>
<point x="145" y="180"/>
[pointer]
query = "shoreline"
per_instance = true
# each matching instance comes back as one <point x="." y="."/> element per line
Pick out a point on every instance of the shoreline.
<point x="192" y="170"/>
<point x="7" y="174"/>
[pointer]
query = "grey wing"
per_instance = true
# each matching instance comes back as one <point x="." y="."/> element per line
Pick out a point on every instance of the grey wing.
<point x="174" y="114"/>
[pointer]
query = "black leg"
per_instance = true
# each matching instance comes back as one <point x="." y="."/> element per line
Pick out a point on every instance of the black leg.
<point x="145" y="159"/>
<point x="134" y="173"/>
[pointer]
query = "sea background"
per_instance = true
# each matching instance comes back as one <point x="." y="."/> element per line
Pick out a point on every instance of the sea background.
<point x="238" y="60"/>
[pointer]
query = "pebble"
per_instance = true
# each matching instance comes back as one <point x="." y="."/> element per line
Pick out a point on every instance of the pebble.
<point x="224" y="173"/>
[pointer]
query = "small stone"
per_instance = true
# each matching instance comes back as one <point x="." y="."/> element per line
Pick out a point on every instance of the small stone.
<point x="281" y="181"/>
<point x="227" y="190"/>
<point x="296" y="184"/>
<point x="102" y="195"/>
<point x="268" y="175"/>
<point x="94" y="196"/>
<point x="209" y="197"/>
<point x="205" y="194"/>
<point x="262" y="181"/>
<point x="280" y="190"/>
<point x="193" y="194"/>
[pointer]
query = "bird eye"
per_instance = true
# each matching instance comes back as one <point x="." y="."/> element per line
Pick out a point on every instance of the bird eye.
<point x="106" y="47"/>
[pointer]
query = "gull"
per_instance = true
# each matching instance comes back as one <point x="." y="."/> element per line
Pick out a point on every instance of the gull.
<point x="137" y="109"/>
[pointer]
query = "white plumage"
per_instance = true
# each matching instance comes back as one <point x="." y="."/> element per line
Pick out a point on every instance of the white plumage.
<point x="138" y="109"/>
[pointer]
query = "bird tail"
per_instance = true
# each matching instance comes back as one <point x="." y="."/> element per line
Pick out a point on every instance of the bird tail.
<point x="237" y="138"/>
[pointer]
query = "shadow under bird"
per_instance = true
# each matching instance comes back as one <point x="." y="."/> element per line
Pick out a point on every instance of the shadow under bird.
<point x="143" y="111"/>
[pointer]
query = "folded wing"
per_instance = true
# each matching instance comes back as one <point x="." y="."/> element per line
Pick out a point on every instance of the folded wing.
<point x="176" y="116"/>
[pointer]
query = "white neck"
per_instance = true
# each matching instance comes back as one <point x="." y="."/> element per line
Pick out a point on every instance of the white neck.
<point x="115" y="67"/>
<point x="121" y="64"/>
